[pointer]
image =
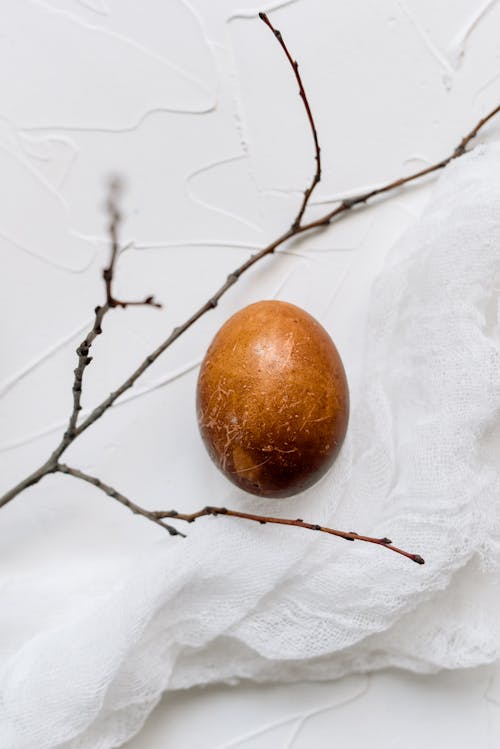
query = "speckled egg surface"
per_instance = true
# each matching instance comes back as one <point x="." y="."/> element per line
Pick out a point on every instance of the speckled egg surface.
<point x="272" y="399"/>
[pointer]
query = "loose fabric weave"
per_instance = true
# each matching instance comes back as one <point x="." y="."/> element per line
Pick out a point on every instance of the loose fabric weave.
<point x="235" y="600"/>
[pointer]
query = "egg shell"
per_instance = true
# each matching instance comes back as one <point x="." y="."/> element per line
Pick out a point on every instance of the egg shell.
<point x="272" y="399"/>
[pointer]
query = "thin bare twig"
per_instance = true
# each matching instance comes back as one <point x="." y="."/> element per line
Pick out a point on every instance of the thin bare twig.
<point x="317" y="150"/>
<point x="158" y="516"/>
<point x="114" y="494"/>
<point x="298" y="523"/>
<point x="115" y="218"/>
<point x="100" y="312"/>
<point x="83" y="361"/>
<point x="71" y="431"/>
<point x="347" y="203"/>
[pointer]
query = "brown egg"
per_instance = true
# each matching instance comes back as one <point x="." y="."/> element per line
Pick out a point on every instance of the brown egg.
<point x="272" y="399"/>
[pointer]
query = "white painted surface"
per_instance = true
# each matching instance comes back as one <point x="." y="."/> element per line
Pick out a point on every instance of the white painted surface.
<point x="194" y="105"/>
<point x="388" y="709"/>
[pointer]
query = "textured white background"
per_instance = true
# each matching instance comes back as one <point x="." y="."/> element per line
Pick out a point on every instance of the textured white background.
<point x="194" y="105"/>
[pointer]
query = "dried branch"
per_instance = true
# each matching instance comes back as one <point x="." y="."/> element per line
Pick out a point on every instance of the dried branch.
<point x="71" y="432"/>
<point x="295" y="67"/>
<point x="83" y="361"/>
<point x="114" y="494"/>
<point x="347" y="203"/>
<point x="100" y="312"/>
<point x="115" y="217"/>
<point x="158" y="516"/>
<point x="298" y="523"/>
<point x="74" y="429"/>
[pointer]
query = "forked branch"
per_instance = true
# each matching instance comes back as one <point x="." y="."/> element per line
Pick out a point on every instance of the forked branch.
<point x="159" y="516"/>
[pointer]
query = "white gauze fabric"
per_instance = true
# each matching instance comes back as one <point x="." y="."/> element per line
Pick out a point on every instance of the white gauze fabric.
<point x="238" y="600"/>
